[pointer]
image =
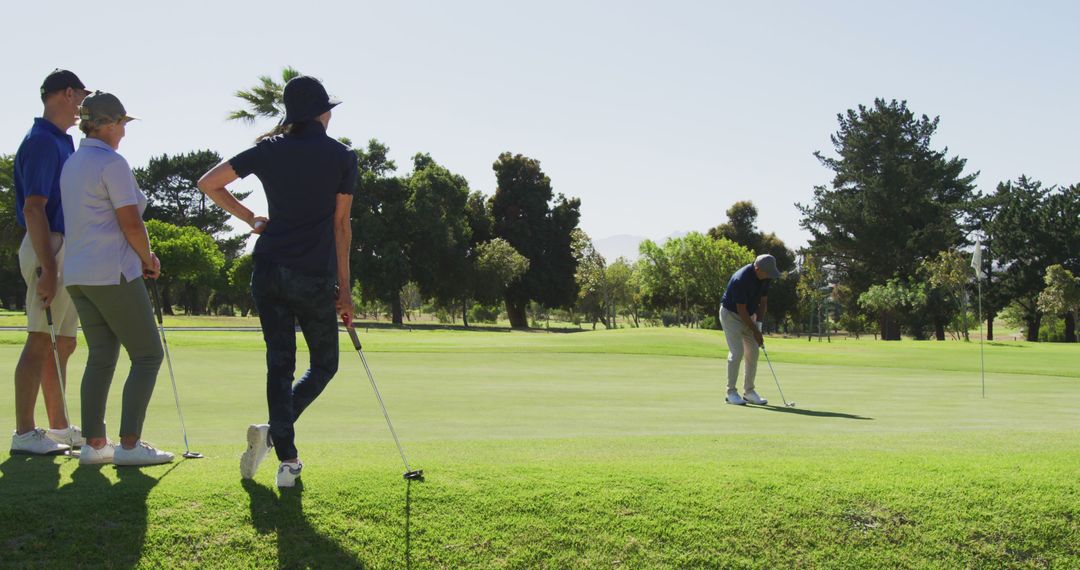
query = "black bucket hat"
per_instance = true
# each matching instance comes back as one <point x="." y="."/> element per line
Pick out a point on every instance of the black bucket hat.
<point x="305" y="98"/>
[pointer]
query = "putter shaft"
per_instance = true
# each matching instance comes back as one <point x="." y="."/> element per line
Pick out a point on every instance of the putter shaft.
<point x="56" y="356"/>
<point x="172" y="376"/>
<point x="775" y="378"/>
<point x="409" y="473"/>
<point x="56" y="360"/>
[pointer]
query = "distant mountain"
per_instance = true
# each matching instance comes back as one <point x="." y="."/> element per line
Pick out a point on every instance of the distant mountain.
<point x="622" y="245"/>
<point x="625" y="245"/>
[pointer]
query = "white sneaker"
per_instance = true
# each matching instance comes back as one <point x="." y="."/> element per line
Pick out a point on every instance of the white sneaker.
<point x="90" y="456"/>
<point x="258" y="439"/>
<point x="734" y="399"/>
<point x="142" y="454"/>
<point x="288" y="473"/>
<point x="753" y="398"/>
<point x="36" y="443"/>
<point x="70" y="435"/>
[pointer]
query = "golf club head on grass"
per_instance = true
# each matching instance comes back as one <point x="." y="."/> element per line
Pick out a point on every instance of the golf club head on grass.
<point x="192" y="455"/>
<point x="417" y="475"/>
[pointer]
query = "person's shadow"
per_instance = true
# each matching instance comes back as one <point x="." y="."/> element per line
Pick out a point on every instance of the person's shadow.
<point x="299" y="545"/>
<point x="89" y="520"/>
<point x="807" y="412"/>
<point x="408" y="532"/>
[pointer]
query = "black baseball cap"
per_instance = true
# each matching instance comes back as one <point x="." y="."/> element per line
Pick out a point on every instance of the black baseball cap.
<point x="305" y="98"/>
<point x="59" y="80"/>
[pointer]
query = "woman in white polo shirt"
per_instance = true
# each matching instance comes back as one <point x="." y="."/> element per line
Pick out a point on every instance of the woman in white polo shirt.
<point x="108" y="255"/>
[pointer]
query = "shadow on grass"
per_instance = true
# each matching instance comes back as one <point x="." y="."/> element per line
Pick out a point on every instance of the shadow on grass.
<point x="299" y="545"/>
<point x="810" y="413"/>
<point x="408" y="530"/>
<point x="88" y="522"/>
<point x="471" y="328"/>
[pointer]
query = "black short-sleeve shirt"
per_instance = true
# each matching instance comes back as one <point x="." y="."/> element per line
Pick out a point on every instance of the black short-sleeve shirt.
<point x="302" y="174"/>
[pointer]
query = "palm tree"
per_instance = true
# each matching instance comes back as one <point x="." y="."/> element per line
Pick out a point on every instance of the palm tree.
<point x="264" y="99"/>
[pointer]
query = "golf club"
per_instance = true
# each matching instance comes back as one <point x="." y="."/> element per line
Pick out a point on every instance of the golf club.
<point x="188" y="453"/>
<point x="417" y="475"/>
<point x="771" y="369"/>
<point x="56" y="359"/>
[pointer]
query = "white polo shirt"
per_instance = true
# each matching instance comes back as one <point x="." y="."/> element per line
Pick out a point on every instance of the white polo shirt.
<point x="96" y="181"/>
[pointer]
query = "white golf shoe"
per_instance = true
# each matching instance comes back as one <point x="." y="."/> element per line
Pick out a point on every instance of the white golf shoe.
<point x="288" y="473"/>
<point x="142" y="454"/>
<point x="734" y="399"/>
<point x="90" y="456"/>
<point x="36" y="443"/>
<point x="258" y="440"/>
<point x="753" y="398"/>
<point x="70" y="435"/>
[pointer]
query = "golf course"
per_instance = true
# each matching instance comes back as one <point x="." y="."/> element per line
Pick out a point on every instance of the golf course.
<point x="594" y="449"/>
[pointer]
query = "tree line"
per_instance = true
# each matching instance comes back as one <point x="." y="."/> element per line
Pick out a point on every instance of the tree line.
<point x="893" y="230"/>
<point x="891" y="238"/>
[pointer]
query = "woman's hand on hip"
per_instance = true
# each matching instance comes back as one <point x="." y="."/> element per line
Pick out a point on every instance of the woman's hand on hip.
<point x="258" y="224"/>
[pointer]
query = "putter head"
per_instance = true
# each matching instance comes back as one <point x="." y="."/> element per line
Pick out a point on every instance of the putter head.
<point x="790" y="404"/>
<point x="193" y="455"/>
<point x="417" y="475"/>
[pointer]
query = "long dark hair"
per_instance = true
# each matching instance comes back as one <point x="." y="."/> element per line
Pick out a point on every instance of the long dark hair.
<point x="280" y="129"/>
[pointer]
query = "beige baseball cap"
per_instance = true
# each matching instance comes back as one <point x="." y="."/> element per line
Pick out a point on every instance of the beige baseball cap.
<point x="101" y="107"/>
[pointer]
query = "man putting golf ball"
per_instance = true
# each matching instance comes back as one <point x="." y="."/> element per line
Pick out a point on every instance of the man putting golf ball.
<point x="742" y="311"/>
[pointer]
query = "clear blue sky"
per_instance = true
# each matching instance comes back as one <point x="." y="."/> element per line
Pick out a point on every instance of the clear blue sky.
<point x="658" y="116"/>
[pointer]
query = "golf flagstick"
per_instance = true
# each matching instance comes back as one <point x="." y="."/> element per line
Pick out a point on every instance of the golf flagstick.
<point x="976" y="264"/>
<point x="982" y="352"/>
<point x="188" y="453"/>
<point x="409" y="473"/>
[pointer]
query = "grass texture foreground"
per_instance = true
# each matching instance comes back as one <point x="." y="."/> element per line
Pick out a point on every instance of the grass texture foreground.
<point x="581" y="450"/>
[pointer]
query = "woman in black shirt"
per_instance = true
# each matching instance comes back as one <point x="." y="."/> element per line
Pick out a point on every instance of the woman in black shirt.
<point x="301" y="271"/>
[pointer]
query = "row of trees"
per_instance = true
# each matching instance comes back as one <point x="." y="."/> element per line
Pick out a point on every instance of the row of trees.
<point x="12" y="288"/>
<point x="681" y="281"/>
<point x="458" y="247"/>
<point x="425" y="231"/>
<point x="891" y="239"/>
<point x="894" y="228"/>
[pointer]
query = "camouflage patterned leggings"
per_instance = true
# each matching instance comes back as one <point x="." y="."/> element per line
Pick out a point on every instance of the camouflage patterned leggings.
<point x="285" y="297"/>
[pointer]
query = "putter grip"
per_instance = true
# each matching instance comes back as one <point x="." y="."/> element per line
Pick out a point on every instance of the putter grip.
<point x="157" y="301"/>
<point x="355" y="339"/>
<point x="48" y="310"/>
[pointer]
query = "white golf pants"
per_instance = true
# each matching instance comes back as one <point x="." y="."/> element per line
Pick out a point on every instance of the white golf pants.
<point x="741" y="345"/>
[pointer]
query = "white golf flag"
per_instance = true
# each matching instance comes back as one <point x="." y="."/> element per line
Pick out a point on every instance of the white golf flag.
<point x="976" y="260"/>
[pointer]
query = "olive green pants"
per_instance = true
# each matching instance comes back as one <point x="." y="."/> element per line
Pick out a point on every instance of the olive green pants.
<point x="113" y="316"/>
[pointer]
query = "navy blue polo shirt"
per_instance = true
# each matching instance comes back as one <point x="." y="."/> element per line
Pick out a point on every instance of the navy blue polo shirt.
<point x="38" y="164"/>
<point x="745" y="288"/>
<point x="302" y="174"/>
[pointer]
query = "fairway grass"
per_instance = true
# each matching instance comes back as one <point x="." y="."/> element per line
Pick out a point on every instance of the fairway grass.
<point x="585" y="450"/>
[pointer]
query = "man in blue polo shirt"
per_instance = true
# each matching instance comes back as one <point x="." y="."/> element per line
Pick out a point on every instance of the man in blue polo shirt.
<point x="38" y="163"/>
<point x="742" y="310"/>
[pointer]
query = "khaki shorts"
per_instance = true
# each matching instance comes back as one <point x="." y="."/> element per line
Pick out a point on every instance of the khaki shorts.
<point x="65" y="319"/>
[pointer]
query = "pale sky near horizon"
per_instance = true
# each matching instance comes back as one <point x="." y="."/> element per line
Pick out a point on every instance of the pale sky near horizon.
<point x="657" y="115"/>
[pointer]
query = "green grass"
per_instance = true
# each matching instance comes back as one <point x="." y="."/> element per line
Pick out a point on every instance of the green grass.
<point x="585" y="450"/>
